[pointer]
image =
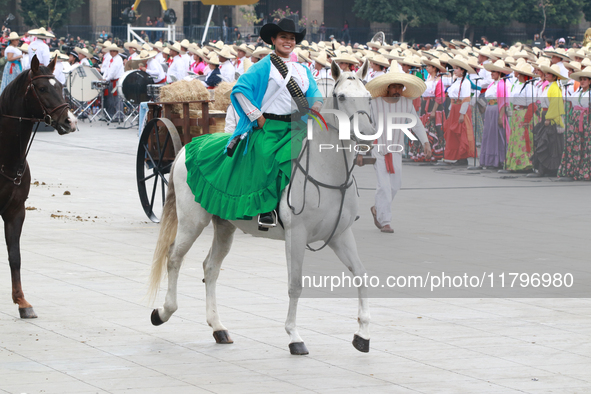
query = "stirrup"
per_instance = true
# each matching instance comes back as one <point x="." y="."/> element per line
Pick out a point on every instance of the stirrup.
<point x="267" y="226"/>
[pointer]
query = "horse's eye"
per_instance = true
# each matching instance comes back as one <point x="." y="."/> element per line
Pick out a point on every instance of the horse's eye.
<point x="342" y="97"/>
<point x="42" y="90"/>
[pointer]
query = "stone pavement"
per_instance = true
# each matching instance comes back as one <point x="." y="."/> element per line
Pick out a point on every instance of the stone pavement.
<point x="86" y="258"/>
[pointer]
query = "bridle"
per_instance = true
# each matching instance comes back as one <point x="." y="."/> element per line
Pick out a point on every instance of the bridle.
<point x="343" y="187"/>
<point x="47" y="114"/>
<point x="47" y="119"/>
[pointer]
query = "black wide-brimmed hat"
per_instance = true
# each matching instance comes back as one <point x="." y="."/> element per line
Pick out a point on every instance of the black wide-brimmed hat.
<point x="284" y="25"/>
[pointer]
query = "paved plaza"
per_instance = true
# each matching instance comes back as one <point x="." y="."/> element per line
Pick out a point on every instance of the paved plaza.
<point x="87" y="248"/>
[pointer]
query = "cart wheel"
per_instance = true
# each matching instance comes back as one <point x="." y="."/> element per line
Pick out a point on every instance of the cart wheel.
<point x="159" y="145"/>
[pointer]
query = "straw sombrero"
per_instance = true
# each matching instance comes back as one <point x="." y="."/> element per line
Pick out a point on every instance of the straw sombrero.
<point x="157" y="45"/>
<point x="145" y="55"/>
<point x="322" y="59"/>
<point x="185" y="43"/>
<point x="485" y="51"/>
<point x="444" y="58"/>
<point x="13" y="36"/>
<point x="524" y="69"/>
<point x="303" y="56"/>
<point x="24" y="47"/>
<point x="59" y="55"/>
<point x="133" y="44"/>
<point x="435" y="63"/>
<point x="261" y="52"/>
<point x="147" y="47"/>
<point x="166" y="51"/>
<point x="41" y="33"/>
<point x="541" y="62"/>
<point x="411" y="61"/>
<point x="585" y="73"/>
<point x="112" y="48"/>
<point x="413" y="86"/>
<point x="394" y="54"/>
<point x="176" y="47"/>
<point x="381" y="60"/>
<point x="554" y="70"/>
<point x="83" y="51"/>
<point x="213" y="59"/>
<point x="576" y="66"/>
<point x="498" y="66"/>
<point x="225" y="52"/>
<point x="346" y="58"/>
<point x="473" y="62"/>
<point x="462" y="62"/>
<point x="561" y="53"/>
<point x="243" y="47"/>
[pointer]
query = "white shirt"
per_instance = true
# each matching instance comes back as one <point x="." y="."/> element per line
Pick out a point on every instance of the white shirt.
<point x="372" y="74"/>
<point x="580" y="98"/>
<point x="188" y="59"/>
<point x="58" y="72"/>
<point x="563" y="70"/>
<point x="455" y="92"/>
<point x="155" y="70"/>
<point x="325" y="73"/>
<point x="522" y="96"/>
<point x="133" y="56"/>
<point x="39" y="47"/>
<point x="177" y="69"/>
<point x="239" y="65"/>
<point x="231" y="120"/>
<point x="26" y="61"/>
<point x="281" y="104"/>
<point x="486" y="77"/>
<point x="105" y="63"/>
<point x="228" y="71"/>
<point x="431" y="83"/>
<point x="159" y="58"/>
<point x="114" y="69"/>
<point x="541" y="92"/>
<point x="380" y="110"/>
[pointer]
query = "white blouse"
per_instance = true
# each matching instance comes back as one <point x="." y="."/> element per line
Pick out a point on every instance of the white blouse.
<point x="282" y="103"/>
<point x="14" y="50"/>
<point x="521" y="95"/>
<point x="455" y="91"/>
<point x="431" y="83"/>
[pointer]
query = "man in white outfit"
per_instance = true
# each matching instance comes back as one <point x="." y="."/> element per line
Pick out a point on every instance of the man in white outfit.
<point x="393" y="93"/>
<point x="113" y="71"/>
<point x="38" y="46"/>
<point x="177" y="69"/>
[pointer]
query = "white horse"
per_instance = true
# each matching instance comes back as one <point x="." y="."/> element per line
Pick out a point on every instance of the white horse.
<point x="309" y="214"/>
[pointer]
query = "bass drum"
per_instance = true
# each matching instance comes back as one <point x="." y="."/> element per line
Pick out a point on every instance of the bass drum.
<point x="80" y="87"/>
<point x="133" y="86"/>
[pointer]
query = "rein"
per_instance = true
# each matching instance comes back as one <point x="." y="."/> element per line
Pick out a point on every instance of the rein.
<point x="47" y="119"/>
<point x="349" y="178"/>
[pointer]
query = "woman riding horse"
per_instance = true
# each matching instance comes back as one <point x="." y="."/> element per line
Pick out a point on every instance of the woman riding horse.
<point x="268" y="135"/>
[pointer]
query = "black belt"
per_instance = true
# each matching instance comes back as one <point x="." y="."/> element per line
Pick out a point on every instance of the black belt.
<point x="284" y="118"/>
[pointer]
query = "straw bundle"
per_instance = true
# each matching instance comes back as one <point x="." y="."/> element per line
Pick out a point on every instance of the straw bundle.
<point x="184" y="91"/>
<point x="222" y="97"/>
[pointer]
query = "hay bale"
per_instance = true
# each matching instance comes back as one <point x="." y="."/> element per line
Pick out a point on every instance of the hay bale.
<point x="184" y="91"/>
<point x="221" y="96"/>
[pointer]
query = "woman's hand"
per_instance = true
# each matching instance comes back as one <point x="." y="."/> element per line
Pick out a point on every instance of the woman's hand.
<point x="261" y="121"/>
<point x="317" y="106"/>
<point x="427" y="150"/>
<point x="461" y="118"/>
<point x="432" y="115"/>
<point x="547" y="123"/>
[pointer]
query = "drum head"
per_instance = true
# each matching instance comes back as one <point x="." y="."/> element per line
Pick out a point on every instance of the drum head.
<point x="135" y="86"/>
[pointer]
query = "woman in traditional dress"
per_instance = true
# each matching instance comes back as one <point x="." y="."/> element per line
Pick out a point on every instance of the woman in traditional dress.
<point x="199" y="64"/>
<point x="576" y="159"/>
<point x="494" y="134"/>
<point x="459" y="136"/>
<point x="549" y="132"/>
<point x="268" y="135"/>
<point x="520" y="146"/>
<point x="431" y="112"/>
<point x="13" y="56"/>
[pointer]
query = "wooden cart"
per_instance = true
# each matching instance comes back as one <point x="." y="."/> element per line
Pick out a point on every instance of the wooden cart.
<point x="165" y="133"/>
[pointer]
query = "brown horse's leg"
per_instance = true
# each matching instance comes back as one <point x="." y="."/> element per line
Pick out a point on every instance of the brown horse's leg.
<point x="13" y="225"/>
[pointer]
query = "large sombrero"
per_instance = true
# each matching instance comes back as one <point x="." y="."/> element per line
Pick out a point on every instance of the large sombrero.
<point x="435" y="63"/>
<point x="322" y="59"/>
<point x="133" y="44"/>
<point x="244" y="48"/>
<point x="83" y="51"/>
<point x="585" y="73"/>
<point x="498" y="66"/>
<point x="261" y="52"/>
<point x="561" y="53"/>
<point x="380" y="60"/>
<point x="524" y="69"/>
<point x="176" y="47"/>
<point x="284" y="25"/>
<point x="112" y="48"/>
<point x="41" y="33"/>
<point x="554" y="70"/>
<point x="346" y="58"/>
<point x="462" y="62"/>
<point x="225" y="52"/>
<point x="13" y="36"/>
<point x="413" y="86"/>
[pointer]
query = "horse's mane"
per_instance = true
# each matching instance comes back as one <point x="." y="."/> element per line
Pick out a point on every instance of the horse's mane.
<point x="16" y="89"/>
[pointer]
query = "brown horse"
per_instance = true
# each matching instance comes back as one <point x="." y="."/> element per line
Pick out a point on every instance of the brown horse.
<point x="34" y="96"/>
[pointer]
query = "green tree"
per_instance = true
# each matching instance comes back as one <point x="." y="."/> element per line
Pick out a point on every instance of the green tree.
<point x="405" y="13"/>
<point x="471" y="13"/>
<point x="48" y="13"/>
<point x="552" y="12"/>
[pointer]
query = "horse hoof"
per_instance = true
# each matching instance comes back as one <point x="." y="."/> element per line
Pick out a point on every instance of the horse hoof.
<point x="27" y="313"/>
<point x="361" y="344"/>
<point x="155" y="317"/>
<point x="298" y="348"/>
<point x="223" y="337"/>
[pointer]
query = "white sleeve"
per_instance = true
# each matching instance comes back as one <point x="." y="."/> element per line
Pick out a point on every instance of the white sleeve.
<point x="231" y="120"/>
<point x="249" y="109"/>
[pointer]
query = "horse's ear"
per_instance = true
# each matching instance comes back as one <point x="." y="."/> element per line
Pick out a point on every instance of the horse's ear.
<point x="335" y="70"/>
<point x="362" y="72"/>
<point x="51" y="64"/>
<point x="35" y="64"/>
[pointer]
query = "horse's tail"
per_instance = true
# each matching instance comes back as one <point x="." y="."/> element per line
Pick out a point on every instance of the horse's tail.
<point x="166" y="237"/>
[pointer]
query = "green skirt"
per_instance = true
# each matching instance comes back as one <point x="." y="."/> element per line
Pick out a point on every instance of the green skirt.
<point x="244" y="185"/>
